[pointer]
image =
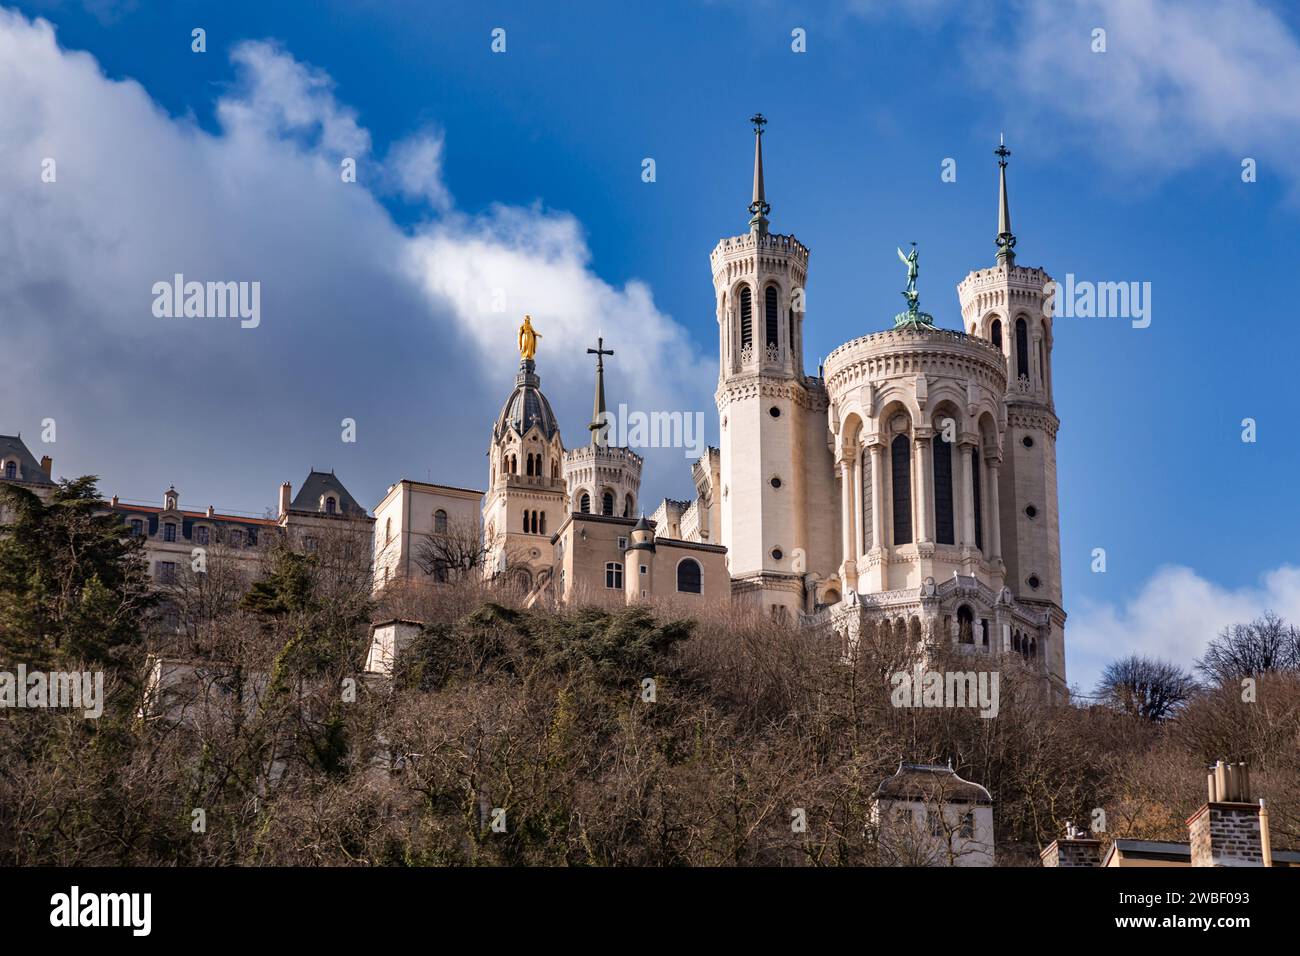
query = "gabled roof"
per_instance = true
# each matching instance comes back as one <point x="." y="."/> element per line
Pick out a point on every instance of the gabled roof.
<point x="29" y="469"/>
<point x="917" y="781"/>
<point x="325" y="483"/>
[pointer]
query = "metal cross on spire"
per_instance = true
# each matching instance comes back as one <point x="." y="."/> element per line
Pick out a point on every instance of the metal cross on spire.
<point x="1006" y="241"/>
<point x="599" y="424"/>
<point x="758" y="208"/>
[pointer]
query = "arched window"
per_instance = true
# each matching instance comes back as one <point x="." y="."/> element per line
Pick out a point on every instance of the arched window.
<point x="541" y="523"/>
<point x="607" y="504"/>
<point x="555" y="468"/>
<point x="1022" y="348"/>
<point x="900" y="453"/>
<point x="11" y="470"/>
<point x="388" y="530"/>
<point x="525" y="522"/>
<point x="770" y="310"/>
<point x="584" y="503"/>
<point x="689" y="576"/>
<point x="331" y="506"/>
<point x="965" y="625"/>
<point x="746" y="318"/>
<point x="977" y="495"/>
<point x="628" y="506"/>
<point x="943" y="514"/>
<point x="995" y="333"/>
<point x="440" y="522"/>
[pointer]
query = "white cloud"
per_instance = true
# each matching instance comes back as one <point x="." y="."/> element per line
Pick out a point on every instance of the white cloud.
<point x="1174" y="616"/>
<point x="360" y="317"/>
<point x="1180" y="79"/>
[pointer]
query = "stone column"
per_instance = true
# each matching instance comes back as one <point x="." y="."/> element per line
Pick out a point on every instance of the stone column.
<point x="848" y="554"/>
<point x="877" y="496"/>
<point x="921" y="494"/>
<point x="994" y="515"/>
<point x="966" y="511"/>
<point x="857" y="501"/>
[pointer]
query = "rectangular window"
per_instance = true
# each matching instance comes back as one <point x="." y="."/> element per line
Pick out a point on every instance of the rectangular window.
<point x="201" y="535"/>
<point x="166" y="572"/>
<point x="169" y="532"/>
<point x="622" y="543"/>
<point x="614" y="575"/>
<point x="968" y="824"/>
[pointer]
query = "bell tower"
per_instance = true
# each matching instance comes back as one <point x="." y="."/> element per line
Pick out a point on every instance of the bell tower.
<point x="1009" y="305"/>
<point x="774" y="456"/>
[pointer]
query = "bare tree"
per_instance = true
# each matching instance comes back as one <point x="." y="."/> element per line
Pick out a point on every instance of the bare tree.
<point x="1265" y="644"/>
<point x="1144" y="687"/>
<point x="454" y="554"/>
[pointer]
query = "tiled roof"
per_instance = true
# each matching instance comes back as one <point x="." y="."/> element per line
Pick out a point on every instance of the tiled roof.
<point x="324" y="483"/>
<point x="29" y="469"/>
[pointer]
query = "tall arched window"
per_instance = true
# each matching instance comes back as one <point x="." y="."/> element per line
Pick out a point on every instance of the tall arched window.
<point x="900" y="453"/>
<point x="331" y="506"/>
<point x="943" y="514"/>
<point x="584" y="503"/>
<point x="866" y="500"/>
<point x="689" y="576"/>
<point x="388" y="530"/>
<point x="440" y="522"/>
<point x="746" y="317"/>
<point x="995" y="333"/>
<point x="628" y="506"/>
<point x="525" y="522"/>
<point x="607" y="504"/>
<point x="770" y="310"/>
<point x="11" y="470"/>
<point x="1022" y="348"/>
<point x="978" y="496"/>
<point x="541" y="523"/>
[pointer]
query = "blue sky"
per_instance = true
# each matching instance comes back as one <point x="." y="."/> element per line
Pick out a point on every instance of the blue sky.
<point x="523" y="169"/>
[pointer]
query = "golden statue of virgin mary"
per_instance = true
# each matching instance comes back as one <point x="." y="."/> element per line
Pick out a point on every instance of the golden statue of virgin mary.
<point x="528" y="338"/>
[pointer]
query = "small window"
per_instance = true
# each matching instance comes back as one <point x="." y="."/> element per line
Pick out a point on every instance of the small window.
<point x="967" y="830"/>
<point x="331" y="506"/>
<point x="1027" y="442"/>
<point x="774" y="412"/>
<point x="1034" y="582"/>
<point x="137" y="528"/>
<point x="584" y="504"/>
<point x="607" y="504"/>
<point x="776" y="482"/>
<point x="201" y="535"/>
<point x="1031" y="511"/>
<point x="622" y="543"/>
<point x="440" y="522"/>
<point x="11" y="470"/>
<point x="388" y="530"/>
<point x="237" y="538"/>
<point x="169" y="531"/>
<point x="166" y="572"/>
<point x="614" y="575"/>
<point x="777" y="554"/>
<point x="689" y="576"/>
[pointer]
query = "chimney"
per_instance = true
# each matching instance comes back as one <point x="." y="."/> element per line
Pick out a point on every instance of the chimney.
<point x="286" y="495"/>
<point x="1076" y="848"/>
<point x="47" y="465"/>
<point x="112" y="503"/>
<point x="1226" y="830"/>
<point x="211" y="511"/>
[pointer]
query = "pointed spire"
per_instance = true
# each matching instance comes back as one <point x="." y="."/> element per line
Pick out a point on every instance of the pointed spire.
<point x="1006" y="241"/>
<point x="599" y="424"/>
<point x="759" y="208"/>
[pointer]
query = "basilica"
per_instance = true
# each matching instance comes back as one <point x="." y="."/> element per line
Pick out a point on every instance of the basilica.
<point x="908" y="489"/>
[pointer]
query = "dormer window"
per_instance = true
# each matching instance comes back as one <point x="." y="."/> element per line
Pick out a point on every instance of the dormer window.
<point x="331" y="506"/>
<point x="169" y="531"/>
<point x="11" y="470"/>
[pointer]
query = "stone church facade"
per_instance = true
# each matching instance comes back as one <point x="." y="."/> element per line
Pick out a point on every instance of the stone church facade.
<point x="910" y="487"/>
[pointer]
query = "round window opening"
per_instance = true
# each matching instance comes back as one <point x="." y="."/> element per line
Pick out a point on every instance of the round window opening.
<point x="774" y="412"/>
<point x="1027" y="442"/>
<point x="1034" y="582"/>
<point x="776" y="482"/>
<point x="1031" y="511"/>
<point x="777" y="554"/>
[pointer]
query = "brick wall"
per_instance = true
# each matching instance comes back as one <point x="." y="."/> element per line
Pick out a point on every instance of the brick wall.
<point x="1226" y="834"/>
